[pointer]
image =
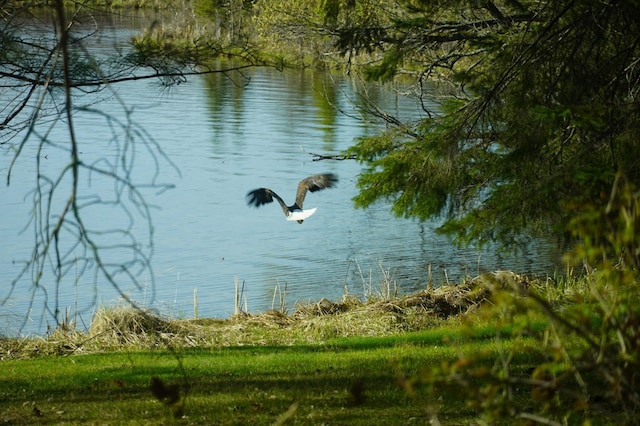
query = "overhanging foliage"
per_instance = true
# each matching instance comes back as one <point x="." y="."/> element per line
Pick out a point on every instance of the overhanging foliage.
<point x="543" y="115"/>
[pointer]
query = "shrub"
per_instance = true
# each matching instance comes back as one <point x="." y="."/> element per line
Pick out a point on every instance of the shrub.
<point x="591" y="347"/>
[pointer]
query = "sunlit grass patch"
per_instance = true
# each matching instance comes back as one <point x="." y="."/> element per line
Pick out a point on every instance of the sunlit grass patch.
<point x="400" y="360"/>
<point x="397" y="361"/>
<point x="355" y="380"/>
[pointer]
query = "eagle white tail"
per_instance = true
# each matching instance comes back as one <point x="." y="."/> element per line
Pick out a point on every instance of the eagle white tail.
<point x="301" y="214"/>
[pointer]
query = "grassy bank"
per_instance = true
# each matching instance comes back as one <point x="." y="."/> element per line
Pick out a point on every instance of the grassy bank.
<point x="121" y="327"/>
<point x="435" y="356"/>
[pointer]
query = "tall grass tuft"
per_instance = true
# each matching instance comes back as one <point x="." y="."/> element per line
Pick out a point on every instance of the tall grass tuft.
<point x="282" y="298"/>
<point x="386" y="288"/>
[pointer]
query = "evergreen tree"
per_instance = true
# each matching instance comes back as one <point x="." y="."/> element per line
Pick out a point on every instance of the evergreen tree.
<point x="541" y="112"/>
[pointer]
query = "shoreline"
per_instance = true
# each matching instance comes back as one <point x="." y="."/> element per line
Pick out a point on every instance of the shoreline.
<point x="126" y="328"/>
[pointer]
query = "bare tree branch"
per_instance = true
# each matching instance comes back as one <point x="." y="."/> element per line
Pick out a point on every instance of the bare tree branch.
<point x="47" y="77"/>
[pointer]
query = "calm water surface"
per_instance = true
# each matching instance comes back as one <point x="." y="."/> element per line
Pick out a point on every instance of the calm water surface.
<point x="225" y="135"/>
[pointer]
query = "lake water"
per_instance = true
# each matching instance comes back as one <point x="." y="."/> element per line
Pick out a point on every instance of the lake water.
<point x="222" y="135"/>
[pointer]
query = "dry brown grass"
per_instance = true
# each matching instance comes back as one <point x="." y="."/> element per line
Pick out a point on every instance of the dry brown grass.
<point x="125" y="328"/>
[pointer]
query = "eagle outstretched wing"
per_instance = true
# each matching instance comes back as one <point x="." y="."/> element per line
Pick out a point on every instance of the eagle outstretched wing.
<point x="312" y="184"/>
<point x="261" y="196"/>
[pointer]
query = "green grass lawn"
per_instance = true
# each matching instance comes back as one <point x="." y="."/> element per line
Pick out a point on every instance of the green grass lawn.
<point x="346" y="381"/>
<point x="434" y="357"/>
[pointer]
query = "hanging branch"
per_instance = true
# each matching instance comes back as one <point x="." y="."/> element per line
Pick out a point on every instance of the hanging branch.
<point x="339" y="157"/>
<point x="69" y="246"/>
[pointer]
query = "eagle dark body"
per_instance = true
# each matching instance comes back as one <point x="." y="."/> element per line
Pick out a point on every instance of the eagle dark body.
<point x="261" y="196"/>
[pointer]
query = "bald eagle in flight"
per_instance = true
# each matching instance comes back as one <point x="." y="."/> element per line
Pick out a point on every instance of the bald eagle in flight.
<point x="314" y="183"/>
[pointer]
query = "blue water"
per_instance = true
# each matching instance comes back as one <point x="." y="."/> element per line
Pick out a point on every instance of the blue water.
<point x="205" y="144"/>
